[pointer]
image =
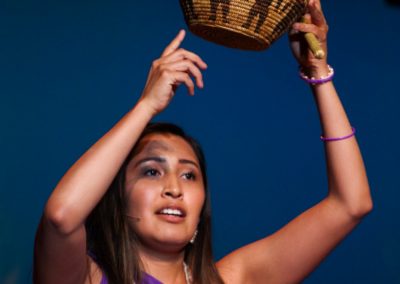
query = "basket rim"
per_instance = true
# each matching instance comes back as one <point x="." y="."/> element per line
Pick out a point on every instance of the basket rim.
<point x="224" y="27"/>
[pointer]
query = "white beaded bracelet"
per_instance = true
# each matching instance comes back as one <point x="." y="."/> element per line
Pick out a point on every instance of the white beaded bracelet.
<point x="321" y="80"/>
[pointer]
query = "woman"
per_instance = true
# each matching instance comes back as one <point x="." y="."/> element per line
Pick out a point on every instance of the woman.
<point x="135" y="208"/>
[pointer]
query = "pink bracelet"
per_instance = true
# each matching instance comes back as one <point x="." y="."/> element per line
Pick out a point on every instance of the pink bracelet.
<point x="327" y="139"/>
<point x="319" y="81"/>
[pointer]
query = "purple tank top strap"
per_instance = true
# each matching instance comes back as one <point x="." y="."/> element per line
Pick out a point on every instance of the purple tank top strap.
<point x="103" y="279"/>
<point x="148" y="279"/>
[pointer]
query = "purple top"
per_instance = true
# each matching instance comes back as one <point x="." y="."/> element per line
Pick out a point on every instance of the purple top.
<point x="147" y="279"/>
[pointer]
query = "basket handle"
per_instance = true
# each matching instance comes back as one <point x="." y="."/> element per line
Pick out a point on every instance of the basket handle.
<point x="313" y="43"/>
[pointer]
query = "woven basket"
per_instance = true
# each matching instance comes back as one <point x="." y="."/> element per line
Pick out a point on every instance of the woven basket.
<point x="243" y="24"/>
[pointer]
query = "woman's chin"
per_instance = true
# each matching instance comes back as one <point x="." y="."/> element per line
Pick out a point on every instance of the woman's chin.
<point x="173" y="244"/>
<point x="166" y="244"/>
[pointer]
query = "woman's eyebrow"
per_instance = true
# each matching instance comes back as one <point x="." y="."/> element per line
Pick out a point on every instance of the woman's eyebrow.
<point x="152" y="158"/>
<point x="186" y="161"/>
<point x="163" y="160"/>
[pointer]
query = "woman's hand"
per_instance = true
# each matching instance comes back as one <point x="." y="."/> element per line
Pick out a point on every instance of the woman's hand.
<point x="315" y="23"/>
<point x="175" y="66"/>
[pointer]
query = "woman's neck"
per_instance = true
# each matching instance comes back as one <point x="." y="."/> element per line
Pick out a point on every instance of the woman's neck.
<point x="166" y="267"/>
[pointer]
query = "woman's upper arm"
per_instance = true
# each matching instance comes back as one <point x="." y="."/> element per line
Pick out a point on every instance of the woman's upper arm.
<point x="59" y="257"/>
<point x="293" y="252"/>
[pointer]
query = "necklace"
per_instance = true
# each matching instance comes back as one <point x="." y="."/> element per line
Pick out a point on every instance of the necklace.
<point x="188" y="277"/>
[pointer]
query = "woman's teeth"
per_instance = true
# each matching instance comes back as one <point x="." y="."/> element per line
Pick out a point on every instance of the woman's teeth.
<point x="174" y="212"/>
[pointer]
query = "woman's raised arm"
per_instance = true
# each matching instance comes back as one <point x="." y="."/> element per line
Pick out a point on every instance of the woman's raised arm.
<point x="60" y="247"/>
<point x="294" y="251"/>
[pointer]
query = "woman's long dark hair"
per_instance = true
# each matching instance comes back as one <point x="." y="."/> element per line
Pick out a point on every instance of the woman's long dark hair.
<point x="113" y="243"/>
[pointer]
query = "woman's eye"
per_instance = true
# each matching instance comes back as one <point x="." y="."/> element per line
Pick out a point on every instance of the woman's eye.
<point x="151" y="172"/>
<point x="190" y="176"/>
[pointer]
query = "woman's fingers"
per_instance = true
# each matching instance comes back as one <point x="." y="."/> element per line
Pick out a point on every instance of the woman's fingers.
<point x="308" y="51"/>
<point x="183" y="61"/>
<point x="182" y="77"/>
<point x="317" y="17"/>
<point x="188" y="67"/>
<point x="317" y="3"/>
<point x="177" y="66"/>
<point x="182" y="54"/>
<point x="175" y="43"/>
<point x="193" y="57"/>
<point x="310" y="28"/>
<point x="313" y="22"/>
<point x="314" y="16"/>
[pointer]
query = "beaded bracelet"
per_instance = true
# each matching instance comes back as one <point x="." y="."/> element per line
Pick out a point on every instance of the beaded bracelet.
<point x="327" y="139"/>
<point x="315" y="81"/>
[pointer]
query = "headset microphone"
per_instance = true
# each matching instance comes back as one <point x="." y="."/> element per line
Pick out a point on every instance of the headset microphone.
<point x="137" y="219"/>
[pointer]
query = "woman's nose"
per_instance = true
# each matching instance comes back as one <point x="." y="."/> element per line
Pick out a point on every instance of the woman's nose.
<point x="172" y="188"/>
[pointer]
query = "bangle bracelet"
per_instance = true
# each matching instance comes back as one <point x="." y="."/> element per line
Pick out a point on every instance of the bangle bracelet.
<point x="327" y="139"/>
<point x="319" y="81"/>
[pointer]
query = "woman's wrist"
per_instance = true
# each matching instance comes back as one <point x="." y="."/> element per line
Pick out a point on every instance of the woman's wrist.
<point x="145" y="108"/>
<point x="317" y="71"/>
<point x="321" y="79"/>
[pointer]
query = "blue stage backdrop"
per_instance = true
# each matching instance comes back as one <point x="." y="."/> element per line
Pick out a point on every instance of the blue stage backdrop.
<point x="70" y="69"/>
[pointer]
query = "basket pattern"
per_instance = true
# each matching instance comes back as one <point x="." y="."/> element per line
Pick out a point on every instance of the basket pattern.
<point x="244" y="24"/>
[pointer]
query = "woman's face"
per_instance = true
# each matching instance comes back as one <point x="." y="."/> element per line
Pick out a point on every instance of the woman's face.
<point x="165" y="191"/>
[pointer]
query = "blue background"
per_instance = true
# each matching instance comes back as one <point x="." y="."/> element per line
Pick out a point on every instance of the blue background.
<point x="70" y="69"/>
